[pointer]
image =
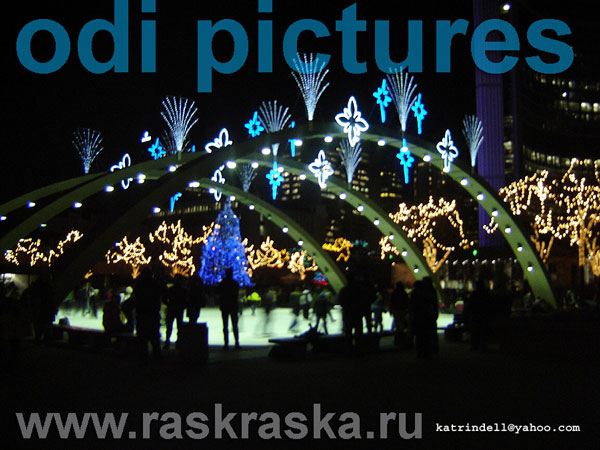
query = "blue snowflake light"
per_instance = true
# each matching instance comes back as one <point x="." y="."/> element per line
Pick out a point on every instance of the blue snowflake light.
<point x="254" y="126"/>
<point x="406" y="160"/>
<point x="383" y="99"/>
<point x="156" y="150"/>
<point x="275" y="178"/>
<point x="420" y="112"/>
<point x="174" y="199"/>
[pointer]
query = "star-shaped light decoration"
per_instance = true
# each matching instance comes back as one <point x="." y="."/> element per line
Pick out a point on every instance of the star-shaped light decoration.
<point x="321" y="169"/>
<point x="156" y="150"/>
<point x="217" y="178"/>
<point x="254" y="126"/>
<point x="219" y="142"/>
<point x="420" y="112"/>
<point x="125" y="162"/>
<point x="275" y="178"/>
<point x="383" y="98"/>
<point x="448" y="151"/>
<point x="174" y="198"/>
<point x="352" y="122"/>
<point x="406" y="160"/>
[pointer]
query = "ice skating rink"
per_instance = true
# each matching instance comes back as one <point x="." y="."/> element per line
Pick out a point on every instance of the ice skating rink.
<point x="255" y="329"/>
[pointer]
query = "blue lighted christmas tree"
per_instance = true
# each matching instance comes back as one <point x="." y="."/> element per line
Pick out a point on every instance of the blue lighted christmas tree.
<point x="223" y="250"/>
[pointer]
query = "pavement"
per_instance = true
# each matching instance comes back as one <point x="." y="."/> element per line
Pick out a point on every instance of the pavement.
<point x="493" y="388"/>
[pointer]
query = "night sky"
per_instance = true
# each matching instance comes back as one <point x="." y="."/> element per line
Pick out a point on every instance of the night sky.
<point x="44" y="110"/>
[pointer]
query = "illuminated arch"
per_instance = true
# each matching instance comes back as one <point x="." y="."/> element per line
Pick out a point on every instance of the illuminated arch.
<point x="194" y="166"/>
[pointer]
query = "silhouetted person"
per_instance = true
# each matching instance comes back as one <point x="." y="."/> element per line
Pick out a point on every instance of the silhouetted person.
<point x="306" y="301"/>
<point x="476" y="315"/>
<point x="44" y="307"/>
<point x="148" y="292"/>
<point x="423" y="316"/>
<point x="111" y="316"/>
<point x="268" y="303"/>
<point x="295" y="306"/>
<point x="176" y="302"/>
<point x="196" y="298"/>
<point x="14" y="327"/>
<point x="350" y="300"/>
<point x="433" y="313"/>
<point x="377" y="309"/>
<point x="399" y="302"/>
<point x="321" y="309"/>
<point x="228" y="291"/>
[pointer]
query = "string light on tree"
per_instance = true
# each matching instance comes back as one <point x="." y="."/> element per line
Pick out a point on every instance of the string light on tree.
<point x="132" y="254"/>
<point x="223" y="250"/>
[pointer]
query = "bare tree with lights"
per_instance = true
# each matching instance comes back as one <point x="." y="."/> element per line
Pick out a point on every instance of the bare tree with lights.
<point x="87" y="142"/>
<point x="436" y="226"/>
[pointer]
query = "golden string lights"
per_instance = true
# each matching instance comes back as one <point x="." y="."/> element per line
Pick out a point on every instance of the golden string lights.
<point x="341" y="246"/>
<point x="129" y="253"/>
<point x="557" y="209"/>
<point x="177" y="255"/>
<point x="436" y="225"/>
<point x="32" y="250"/>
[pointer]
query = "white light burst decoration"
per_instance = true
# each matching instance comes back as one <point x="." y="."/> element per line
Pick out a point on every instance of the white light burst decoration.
<point x="350" y="119"/>
<point x="403" y="94"/>
<point x="179" y="117"/>
<point x="321" y="169"/>
<point x="247" y="173"/>
<point x="309" y="78"/>
<point x="219" y="142"/>
<point x="87" y="142"/>
<point x="350" y="155"/>
<point x="448" y="151"/>
<point x="273" y="117"/>
<point x="473" y="133"/>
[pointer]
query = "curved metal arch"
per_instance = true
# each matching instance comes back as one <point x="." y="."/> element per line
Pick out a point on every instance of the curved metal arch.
<point x="476" y="187"/>
<point x="472" y="184"/>
<point x="86" y="257"/>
